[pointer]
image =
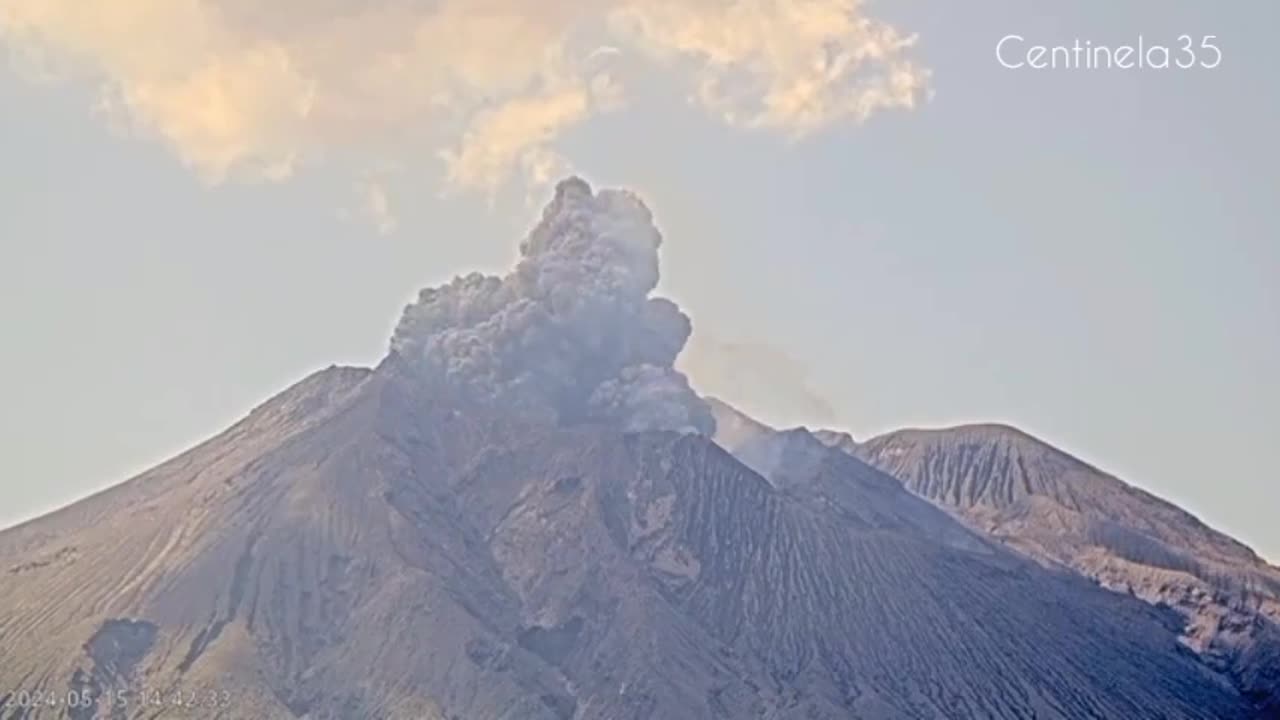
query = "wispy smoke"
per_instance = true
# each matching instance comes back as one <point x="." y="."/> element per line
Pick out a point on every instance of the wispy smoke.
<point x="259" y="88"/>
<point x="571" y="333"/>
<point x="761" y="378"/>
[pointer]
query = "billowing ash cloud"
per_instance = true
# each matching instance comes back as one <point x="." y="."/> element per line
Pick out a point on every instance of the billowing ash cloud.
<point x="571" y="333"/>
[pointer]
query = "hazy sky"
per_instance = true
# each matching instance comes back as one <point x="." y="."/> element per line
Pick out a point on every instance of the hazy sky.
<point x="198" y="206"/>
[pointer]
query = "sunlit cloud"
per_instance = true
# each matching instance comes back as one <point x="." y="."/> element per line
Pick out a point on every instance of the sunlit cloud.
<point x="249" y="89"/>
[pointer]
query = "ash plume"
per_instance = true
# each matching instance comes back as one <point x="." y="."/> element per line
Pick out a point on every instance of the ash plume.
<point x="571" y="333"/>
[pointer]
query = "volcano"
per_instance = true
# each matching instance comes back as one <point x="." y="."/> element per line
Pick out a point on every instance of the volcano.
<point x="524" y="512"/>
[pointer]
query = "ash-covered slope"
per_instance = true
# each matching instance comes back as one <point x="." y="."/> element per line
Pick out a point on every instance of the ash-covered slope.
<point x="402" y="558"/>
<point x="519" y="515"/>
<point x="1060" y="510"/>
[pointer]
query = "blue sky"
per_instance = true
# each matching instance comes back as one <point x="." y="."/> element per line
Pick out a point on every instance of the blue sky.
<point x="1089" y="255"/>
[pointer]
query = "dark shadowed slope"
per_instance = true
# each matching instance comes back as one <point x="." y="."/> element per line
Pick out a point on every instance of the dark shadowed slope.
<point x="1060" y="510"/>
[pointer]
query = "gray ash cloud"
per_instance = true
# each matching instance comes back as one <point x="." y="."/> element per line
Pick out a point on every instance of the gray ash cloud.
<point x="571" y="334"/>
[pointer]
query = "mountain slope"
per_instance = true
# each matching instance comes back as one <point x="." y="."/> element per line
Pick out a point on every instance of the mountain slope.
<point x="521" y="514"/>
<point x="385" y="556"/>
<point x="1060" y="510"/>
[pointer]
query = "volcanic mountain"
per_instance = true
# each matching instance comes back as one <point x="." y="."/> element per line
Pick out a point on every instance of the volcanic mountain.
<point x="1063" y="512"/>
<point x="524" y="512"/>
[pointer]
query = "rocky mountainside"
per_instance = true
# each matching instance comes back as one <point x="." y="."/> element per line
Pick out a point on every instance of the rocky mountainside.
<point x="525" y="513"/>
<point x="355" y="549"/>
<point x="1064" y="512"/>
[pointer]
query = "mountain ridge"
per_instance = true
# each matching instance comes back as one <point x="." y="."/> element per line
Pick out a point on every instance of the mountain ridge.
<point x="528" y="614"/>
<point x="1059" y="509"/>
<point x="524" y="512"/>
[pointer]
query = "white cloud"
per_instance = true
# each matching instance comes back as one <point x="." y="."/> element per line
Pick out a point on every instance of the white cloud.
<point x="517" y="133"/>
<point x="761" y="379"/>
<point x="792" y="65"/>
<point x="246" y="88"/>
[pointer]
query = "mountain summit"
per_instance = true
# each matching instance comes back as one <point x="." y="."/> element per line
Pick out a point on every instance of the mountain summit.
<point x="1063" y="512"/>
<point x="525" y="513"/>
